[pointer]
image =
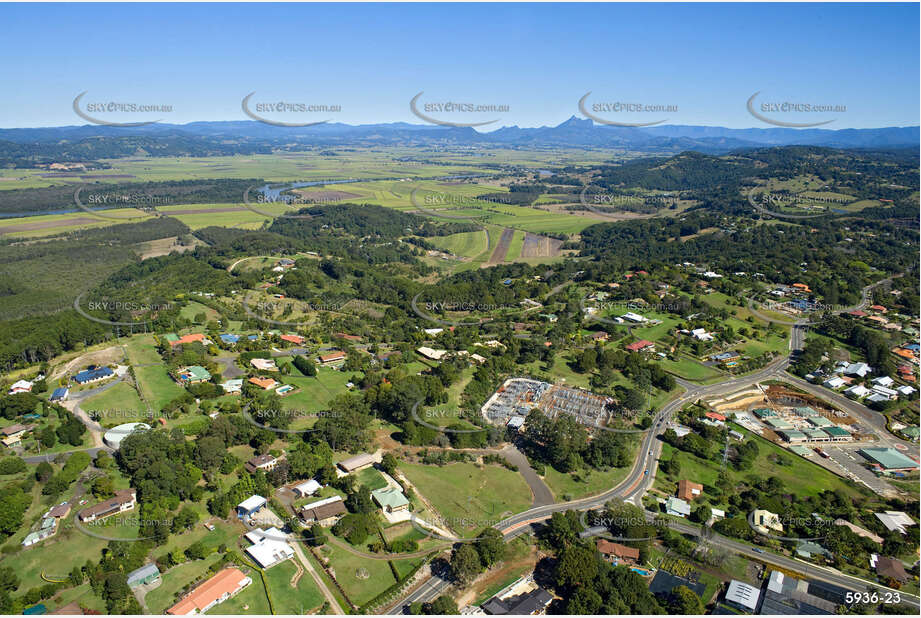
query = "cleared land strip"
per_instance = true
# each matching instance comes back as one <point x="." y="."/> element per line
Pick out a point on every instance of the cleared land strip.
<point x="505" y="241"/>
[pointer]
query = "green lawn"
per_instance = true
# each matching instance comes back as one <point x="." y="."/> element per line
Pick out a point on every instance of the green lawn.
<point x="514" y="248"/>
<point x="469" y="497"/>
<point x="193" y="308"/>
<point x="800" y="477"/>
<point x="157" y="386"/>
<point x="142" y="350"/>
<point x="361" y="578"/>
<point x="292" y="600"/>
<point x="372" y="478"/>
<point x="584" y="483"/>
<point x="250" y="600"/>
<point x="465" y="244"/>
<point x="314" y="392"/>
<point x="117" y="405"/>
<point x="689" y="369"/>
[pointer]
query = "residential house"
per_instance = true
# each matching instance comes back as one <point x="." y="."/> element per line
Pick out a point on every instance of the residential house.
<point x="390" y="499"/>
<point x="307" y="488"/>
<point x="689" y="490"/>
<point x="94" y="374"/>
<point x="617" y="553"/>
<point x="194" y="374"/>
<point x="324" y="512"/>
<point x="677" y="507"/>
<point x="147" y="574"/>
<point x="268" y="547"/>
<point x="20" y="386"/>
<point x="264" y="383"/>
<point x="295" y="339"/>
<point x="250" y="506"/>
<point x="640" y="345"/>
<point x="59" y="394"/>
<point x="331" y="358"/>
<point x="265" y="462"/>
<point x="124" y="500"/>
<point x="264" y="364"/>
<point x="896" y="521"/>
<point x="431" y="353"/>
<point x="891" y="568"/>
<point x="225" y="584"/>
<point x="766" y="522"/>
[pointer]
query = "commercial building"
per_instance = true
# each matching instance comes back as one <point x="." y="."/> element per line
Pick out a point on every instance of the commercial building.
<point x="889" y="459"/>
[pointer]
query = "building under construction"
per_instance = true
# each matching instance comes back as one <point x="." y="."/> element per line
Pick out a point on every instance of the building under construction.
<point x="518" y="396"/>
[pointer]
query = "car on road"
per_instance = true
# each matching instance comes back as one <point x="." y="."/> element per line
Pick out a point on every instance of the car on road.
<point x="758" y="549"/>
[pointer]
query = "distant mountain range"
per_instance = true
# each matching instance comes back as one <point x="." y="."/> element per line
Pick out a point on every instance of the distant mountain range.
<point x="575" y="132"/>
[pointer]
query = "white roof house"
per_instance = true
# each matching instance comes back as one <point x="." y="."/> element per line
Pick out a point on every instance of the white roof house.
<point x="701" y="334"/>
<point x="857" y="369"/>
<point x="307" y="488"/>
<point x="433" y="331"/>
<point x="678" y="507"/>
<point x="634" y="317"/>
<point x="858" y="391"/>
<point x="882" y="381"/>
<point x="743" y="595"/>
<point x="268" y="549"/>
<point x="886" y="392"/>
<point x="877" y="398"/>
<point x="431" y="353"/>
<point x="906" y="390"/>
<point x="895" y="521"/>
<point x="834" y="383"/>
<point x="20" y="386"/>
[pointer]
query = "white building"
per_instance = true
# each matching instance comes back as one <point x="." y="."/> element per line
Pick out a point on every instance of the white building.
<point x="743" y="596"/>
<point x="883" y="381"/>
<point x="857" y="369"/>
<point x="634" y="317"/>
<point x="268" y="548"/>
<point x="834" y="383"/>
<point x="858" y="391"/>
<point x="307" y="488"/>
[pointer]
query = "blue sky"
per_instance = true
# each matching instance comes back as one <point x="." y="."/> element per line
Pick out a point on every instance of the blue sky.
<point x="537" y="59"/>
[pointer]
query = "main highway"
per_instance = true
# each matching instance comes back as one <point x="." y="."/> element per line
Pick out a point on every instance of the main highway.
<point x="642" y="476"/>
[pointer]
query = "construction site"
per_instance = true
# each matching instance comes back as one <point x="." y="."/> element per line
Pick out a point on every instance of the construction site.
<point x="512" y="402"/>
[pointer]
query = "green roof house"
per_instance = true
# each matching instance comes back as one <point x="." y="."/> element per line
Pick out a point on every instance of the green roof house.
<point x="390" y="499"/>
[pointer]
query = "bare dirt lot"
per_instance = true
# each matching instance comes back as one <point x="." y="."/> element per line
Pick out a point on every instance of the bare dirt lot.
<point x="540" y="246"/>
<point x="498" y="256"/>
<point x="163" y="246"/>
